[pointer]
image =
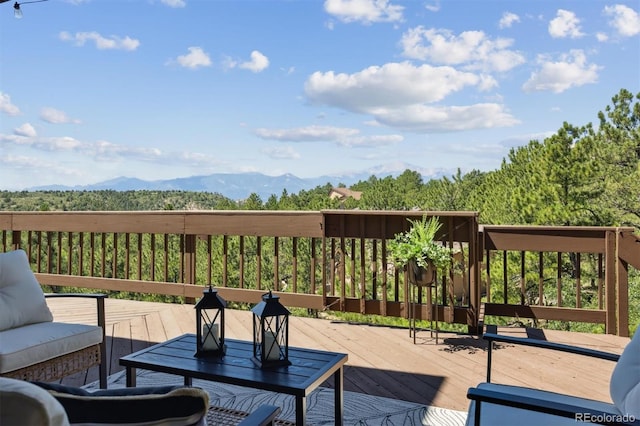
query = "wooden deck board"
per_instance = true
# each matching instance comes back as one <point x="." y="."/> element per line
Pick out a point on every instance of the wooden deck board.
<point x="383" y="361"/>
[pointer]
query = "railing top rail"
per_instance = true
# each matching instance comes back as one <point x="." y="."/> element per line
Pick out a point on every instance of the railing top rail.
<point x="412" y="213"/>
<point x="559" y="228"/>
<point x="165" y="213"/>
<point x="584" y="239"/>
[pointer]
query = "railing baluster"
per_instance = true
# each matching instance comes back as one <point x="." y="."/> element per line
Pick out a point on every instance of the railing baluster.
<point x="294" y="265"/>
<point x="80" y="253"/>
<point x="114" y="266"/>
<point x="92" y="261"/>
<point x="523" y="289"/>
<point x="276" y="263"/>
<point x="225" y="260"/>
<point x="600" y="281"/>
<point x="241" y="265"/>
<point x="540" y="279"/>
<point x="578" y="281"/>
<point x="505" y="278"/>
<point x="140" y="260"/>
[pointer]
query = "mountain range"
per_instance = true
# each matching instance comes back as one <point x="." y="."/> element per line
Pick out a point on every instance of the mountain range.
<point x="239" y="186"/>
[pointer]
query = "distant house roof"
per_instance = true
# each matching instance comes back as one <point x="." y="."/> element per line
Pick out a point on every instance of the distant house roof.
<point x="344" y="193"/>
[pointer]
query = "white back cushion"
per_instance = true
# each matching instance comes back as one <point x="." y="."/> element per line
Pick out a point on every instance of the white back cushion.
<point x="23" y="403"/>
<point x="21" y="298"/>
<point x="625" y="380"/>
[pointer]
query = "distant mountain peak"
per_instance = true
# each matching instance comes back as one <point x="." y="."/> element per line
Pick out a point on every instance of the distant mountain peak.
<point x="238" y="186"/>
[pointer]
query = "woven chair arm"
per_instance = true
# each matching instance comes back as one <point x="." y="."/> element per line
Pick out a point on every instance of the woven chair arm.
<point x="264" y="415"/>
<point x="102" y="323"/>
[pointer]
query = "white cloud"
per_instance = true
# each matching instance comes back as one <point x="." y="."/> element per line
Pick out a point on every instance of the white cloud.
<point x="472" y="49"/>
<point x="6" y="106"/>
<point x="602" y="37"/>
<point x="508" y="19"/>
<point x="174" y="3"/>
<point x="433" y="119"/>
<point x="625" y="20"/>
<point x="371" y="141"/>
<point x="28" y="164"/>
<point x="107" y="151"/>
<point x="396" y="95"/>
<point x="435" y="7"/>
<point x="196" y="58"/>
<point x="393" y="84"/>
<point x="54" y="116"/>
<point x="102" y="43"/>
<point x="571" y="70"/>
<point x="565" y="24"/>
<point x="258" y="62"/>
<point x="306" y="134"/>
<point x="63" y="143"/>
<point x="364" y="11"/>
<point x="26" y="130"/>
<point x="281" y="153"/>
<point x="340" y="135"/>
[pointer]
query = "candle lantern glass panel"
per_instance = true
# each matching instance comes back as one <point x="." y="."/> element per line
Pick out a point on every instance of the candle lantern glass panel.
<point x="270" y="332"/>
<point x="210" y="324"/>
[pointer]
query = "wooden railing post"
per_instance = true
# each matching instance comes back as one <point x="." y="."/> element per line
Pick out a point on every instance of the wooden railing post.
<point x="15" y="239"/>
<point x="190" y="262"/>
<point x="622" y="290"/>
<point x="476" y="248"/>
<point x="610" y="258"/>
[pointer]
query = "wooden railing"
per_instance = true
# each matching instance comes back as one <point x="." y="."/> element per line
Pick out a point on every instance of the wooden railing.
<point x="333" y="260"/>
<point x="561" y="273"/>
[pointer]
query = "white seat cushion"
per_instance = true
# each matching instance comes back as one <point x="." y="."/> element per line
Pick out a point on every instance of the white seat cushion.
<point x="33" y="343"/>
<point x="23" y="403"/>
<point x="21" y="298"/>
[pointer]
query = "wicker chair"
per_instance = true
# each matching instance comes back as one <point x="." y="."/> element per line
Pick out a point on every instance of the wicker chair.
<point x="32" y="346"/>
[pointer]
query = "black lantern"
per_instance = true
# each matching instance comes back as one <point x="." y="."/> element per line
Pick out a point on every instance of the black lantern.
<point x="210" y="324"/>
<point x="270" y="332"/>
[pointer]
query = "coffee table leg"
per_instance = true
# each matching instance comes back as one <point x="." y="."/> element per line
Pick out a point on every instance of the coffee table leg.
<point x="338" y="395"/>
<point x="301" y="410"/>
<point x="188" y="381"/>
<point x="131" y="377"/>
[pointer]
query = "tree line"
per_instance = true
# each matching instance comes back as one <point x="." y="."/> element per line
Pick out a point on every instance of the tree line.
<point x="581" y="175"/>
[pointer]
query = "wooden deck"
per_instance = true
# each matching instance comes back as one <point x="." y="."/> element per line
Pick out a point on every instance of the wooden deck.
<point x="383" y="361"/>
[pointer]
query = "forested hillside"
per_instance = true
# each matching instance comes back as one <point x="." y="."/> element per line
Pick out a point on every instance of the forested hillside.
<point x="586" y="174"/>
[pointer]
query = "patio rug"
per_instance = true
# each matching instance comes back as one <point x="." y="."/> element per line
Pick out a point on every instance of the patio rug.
<point x="359" y="409"/>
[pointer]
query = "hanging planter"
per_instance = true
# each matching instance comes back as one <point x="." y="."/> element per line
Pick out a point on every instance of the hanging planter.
<point x="418" y="251"/>
<point x="421" y="275"/>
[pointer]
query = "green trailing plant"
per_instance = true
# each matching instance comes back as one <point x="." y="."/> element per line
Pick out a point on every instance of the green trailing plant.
<point x="418" y="244"/>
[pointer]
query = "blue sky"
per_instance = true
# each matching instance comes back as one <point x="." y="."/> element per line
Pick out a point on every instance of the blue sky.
<point x="158" y="89"/>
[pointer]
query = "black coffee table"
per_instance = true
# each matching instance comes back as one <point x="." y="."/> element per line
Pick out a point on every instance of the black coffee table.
<point x="309" y="369"/>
